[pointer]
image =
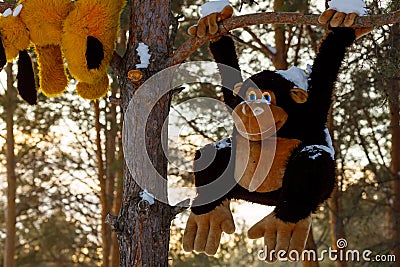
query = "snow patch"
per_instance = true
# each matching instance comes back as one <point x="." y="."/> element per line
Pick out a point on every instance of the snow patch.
<point x="7" y="12"/>
<point x="315" y="156"/>
<point x="17" y="10"/>
<point x="315" y="149"/>
<point x="349" y="6"/>
<point x="224" y="143"/>
<point x="296" y="76"/>
<point x="328" y="140"/>
<point x="213" y="6"/>
<point x="143" y="51"/>
<point x="272" y="49"/>
<point x="309" y="69"/>
<point x="145" y="195"/>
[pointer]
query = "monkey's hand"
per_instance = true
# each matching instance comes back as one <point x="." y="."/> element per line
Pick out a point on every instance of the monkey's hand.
<point x="209" y="24"/>
<point x="335" y="18"/>
<point x="203" y="232"/>
<point x="280" y="236"/>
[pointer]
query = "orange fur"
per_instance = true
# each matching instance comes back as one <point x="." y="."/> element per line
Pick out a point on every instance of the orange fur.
<point x="44" y="18"/>
<point x="260" y="165"/>
<point x="93" y="91"/>
<point x="53" y="79"/>
<point x="14" y="35"/>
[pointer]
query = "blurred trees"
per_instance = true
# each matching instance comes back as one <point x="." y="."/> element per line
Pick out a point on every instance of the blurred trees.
<point x="55" y="205"/>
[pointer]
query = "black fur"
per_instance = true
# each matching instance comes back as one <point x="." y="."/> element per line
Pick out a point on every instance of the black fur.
<point x="224" y="52"/>
<point x="94" y="52"/>
<point x="3" y="59"/>
<point x="310" y="172"/>
<point x="26" y="78"/>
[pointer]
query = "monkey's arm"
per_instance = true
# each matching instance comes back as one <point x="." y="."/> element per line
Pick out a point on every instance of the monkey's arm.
<point x="214" y="179"/>
<point x="211" y="213"/>
<point x="225" y="55"/>
<point x="324" y="73"/>
<point x="223" y="51"/>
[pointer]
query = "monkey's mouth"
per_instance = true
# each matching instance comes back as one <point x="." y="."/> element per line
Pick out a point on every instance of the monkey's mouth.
<point x="258" y="135"/>
<point x="257" y="121"/>
<point x="254" y="134"/>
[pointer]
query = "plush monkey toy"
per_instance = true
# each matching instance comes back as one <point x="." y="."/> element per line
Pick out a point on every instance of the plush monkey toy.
<point x="280" y="153"/>
<point x="88" y="42"/>
<point x="82" y="32"/>
<point x="14" y="42"/>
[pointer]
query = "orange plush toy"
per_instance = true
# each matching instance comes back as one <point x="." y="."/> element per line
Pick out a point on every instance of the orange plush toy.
<point x="78" y="34"/>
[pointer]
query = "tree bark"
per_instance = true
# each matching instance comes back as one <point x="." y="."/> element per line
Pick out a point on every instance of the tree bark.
<point x="394" y="114"/>
<point x="10" y="243"/>
<point x="337" y="226"/>
<point x="280" y="59"/>
<point x="394" y="104"/>
<point x="334" y="203"/>
<point x="105" y="204"/>
<point x="143" y="229"/>
<point x="114" y="158"/>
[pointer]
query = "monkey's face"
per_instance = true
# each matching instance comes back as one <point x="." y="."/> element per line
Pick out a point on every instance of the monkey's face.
<point x="258" y="117"/>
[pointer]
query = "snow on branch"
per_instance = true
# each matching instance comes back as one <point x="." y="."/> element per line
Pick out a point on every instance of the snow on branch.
<point x="5" y="6"/>
<point x="193" y="43"/>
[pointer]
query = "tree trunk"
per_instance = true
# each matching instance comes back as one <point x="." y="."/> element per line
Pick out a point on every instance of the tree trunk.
<point x="114" y="169"/>
<point x="335" y="210"/>
<point x="10" y="243"/>
<point x="337" y="227"/>
<point x="394" y="110"/>
<point x="280" y="59"/>
<point x="143" y="229"/>
<point x="394" y="104"/>
<point x="310" y="245"/>
<point x="105" y="204"/>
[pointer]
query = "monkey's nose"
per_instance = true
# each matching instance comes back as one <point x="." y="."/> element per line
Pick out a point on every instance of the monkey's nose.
<point x="252" y="111"/>
<point x="257" y="111"/>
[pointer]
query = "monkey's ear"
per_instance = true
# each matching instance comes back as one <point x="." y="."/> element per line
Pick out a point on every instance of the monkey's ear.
<point x="94" y="52"/>
<point x="3" y="59"/>
<point x="26" y="78"/>
<point x="298" y="95"/>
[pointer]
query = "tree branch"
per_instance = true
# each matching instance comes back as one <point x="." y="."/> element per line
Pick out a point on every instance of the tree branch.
<point x="4" y="6"/>
<point x="193" y="43"/>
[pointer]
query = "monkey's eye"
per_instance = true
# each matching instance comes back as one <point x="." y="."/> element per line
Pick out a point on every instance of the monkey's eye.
<point x="267" y="96"/>
<point x="252" y="96"/>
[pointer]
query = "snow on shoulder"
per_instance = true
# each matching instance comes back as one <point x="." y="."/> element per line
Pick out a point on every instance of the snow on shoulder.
<point x="224" y="143"/>
<point x="349" y="6"/>
<point x="213" y="6"/>
<point x="296" y="76"/>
